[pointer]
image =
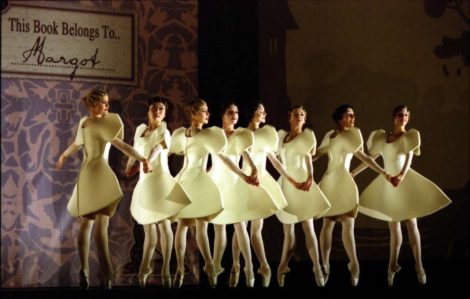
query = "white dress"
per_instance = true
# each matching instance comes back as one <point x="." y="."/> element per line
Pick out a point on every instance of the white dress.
<point x="337" y="183"/>
<point x="205" y="195"/>
<point x="266" y="140"/>
<point x="97" y="187"/>
<point x="157" y="195"/>
<point x="241" y="201"/>
<point x="414" y="197"/>
<point x="301" y="205"/>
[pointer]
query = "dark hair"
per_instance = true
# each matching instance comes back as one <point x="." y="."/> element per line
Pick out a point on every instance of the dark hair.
<point x="398" y="109"/>
<point x="193" y="106"/>
<point x="94" y="96"/>
<point x="296" y="107"/>
<point x="338" y="113"/>
<point x="158" y="99"/>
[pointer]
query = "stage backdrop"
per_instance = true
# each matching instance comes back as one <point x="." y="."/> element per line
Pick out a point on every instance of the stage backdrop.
<point x="57" y="52"/>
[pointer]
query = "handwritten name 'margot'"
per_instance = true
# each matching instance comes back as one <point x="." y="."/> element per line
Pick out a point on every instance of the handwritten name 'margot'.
<point x="37" y="51"/>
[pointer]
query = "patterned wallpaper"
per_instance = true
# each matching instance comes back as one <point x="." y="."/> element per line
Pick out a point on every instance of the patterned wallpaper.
<point x="39" y="119"/>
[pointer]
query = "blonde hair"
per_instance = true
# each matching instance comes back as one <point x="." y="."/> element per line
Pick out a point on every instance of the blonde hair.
<point x="93" y="97"/>
<point x="193" y="106"/>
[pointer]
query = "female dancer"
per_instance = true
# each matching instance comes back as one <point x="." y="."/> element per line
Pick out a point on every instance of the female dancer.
<point x="296" y="148"/>
<point x="414" y="197"/>
<point x="97" y="192"/>
<point x="196" y="144"/>
<point x="157" y="196"/>
<point x="339" y="187"/>
<point x="242" y="202"/>
<point x="266" y="141"/>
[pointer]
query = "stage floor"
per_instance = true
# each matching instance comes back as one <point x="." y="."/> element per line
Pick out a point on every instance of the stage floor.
<point x="445" y="279"/>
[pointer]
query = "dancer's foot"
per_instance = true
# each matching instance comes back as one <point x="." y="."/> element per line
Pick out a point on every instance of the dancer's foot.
<point x="421" y="275"/>
<point x="234" y="276"/>
<point x="209" y="269"/>
<point x="326" y="272"/>
<point x="354" y="269"/>
<point x="319" y="278"/>
<point x="166" y="278"/>
<point x="249" y="277"/>
<point x="265" y="272"/>
<point x="392" y="270"/>
<point x="179" y="277"/>
<point x="143" y="276"/>
<point x="83" y="279"/>
<point x="281" y="275"/>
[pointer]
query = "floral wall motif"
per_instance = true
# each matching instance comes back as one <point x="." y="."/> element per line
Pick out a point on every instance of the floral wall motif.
<point x="39" y="120"/>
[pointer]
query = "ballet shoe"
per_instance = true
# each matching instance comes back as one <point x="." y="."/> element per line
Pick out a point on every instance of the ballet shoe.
<point x="319" y="278"/>
<point x="391" y="274"/>
<point x="281" y="276"/>
<point x="179" y="277"/>
<point x="108" y="280"/>
<point x="421" y="275"/>
<point x="209" y="269"/>
<point x="354" y="274"/>
<point x="265" y="273"/>
<point x="83" y="280"/>
<point x="234" y="276"/>
<point x="143" y="276"/>
<point x="326" y="273"/>
<point x="249" y="277"/>
<point x="166" y="279"/>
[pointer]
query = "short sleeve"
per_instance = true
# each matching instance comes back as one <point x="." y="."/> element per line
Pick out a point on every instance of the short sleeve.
<point x="177" y="141"/>
<point x="412" y="142"/>
<point x="139" y="131"/>
<point x="307" y="142"/>
<point x="354" y="140"/>
<point x="214" y="139"/>
<point x="112" y="127"/>
<point x="323" y="148"/>
<point x="376" y="141"/>
<point x="241" y="140"/>
<point x="79" y="137"/>
<point x="266" y="139"/>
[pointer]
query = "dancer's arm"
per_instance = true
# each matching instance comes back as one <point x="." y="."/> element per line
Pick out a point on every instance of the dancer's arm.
<point x="371" y="163"/>
<point x="131" y="152"/>
<point x="362" y="166"/>
<point x="280" y="168"/>
<point x="70" y="150"/>
<point x="229" y="163"/>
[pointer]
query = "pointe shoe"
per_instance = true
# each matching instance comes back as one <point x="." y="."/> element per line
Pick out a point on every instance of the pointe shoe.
<point x="249" y="277"/>
<point x="421" y="275"/>
<point x="209" y="269"/>
<point x="326" y="272"/>
<point x="281" y="276"/>
<point x="265" y="273"/>
<point x="143" y="276"/>
<point x="83" y="280"/>
<point x="319" y="278"/>
<point x="391" y="274"/>
<point x="234" y="276"/>
<point x="354" y="274"/>
<point x="108" y="280"/>
<point x="166" y="279"/>
<point x="179" y="277"/>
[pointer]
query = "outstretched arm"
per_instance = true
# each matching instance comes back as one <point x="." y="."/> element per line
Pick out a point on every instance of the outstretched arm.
<point x="131" y="152"/>
<point x="317" y="155"/>
<point x="233" y="167"/>
<point x="70" y="150"/>
<point x="280" y="168"/>
<point x="362" y="166"/>
<point x="371" y="163"/>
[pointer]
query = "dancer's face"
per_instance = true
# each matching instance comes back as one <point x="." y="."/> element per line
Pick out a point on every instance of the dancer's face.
<point x="347" y="122"/>
<point x="401" y="118"/>
<point x="260" y="114"/>
<point x="100" y="108"/>
<point x="297" y="117"/>
<point x="157" y="112"/>
<point x="202" y="115"/>
<point x="230" y="117"/>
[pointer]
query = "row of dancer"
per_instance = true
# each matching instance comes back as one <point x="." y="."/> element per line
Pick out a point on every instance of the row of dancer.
<point x="228" y="195"/>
